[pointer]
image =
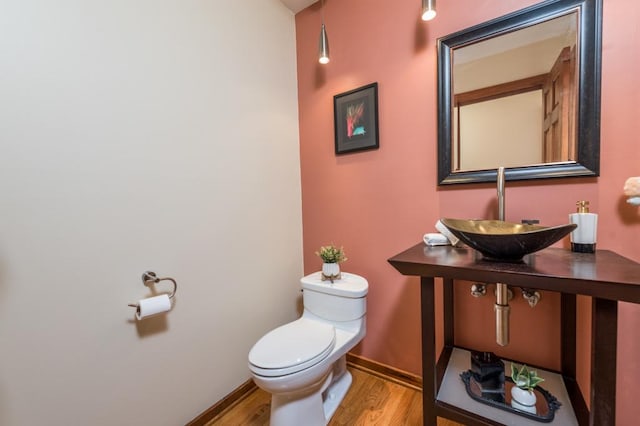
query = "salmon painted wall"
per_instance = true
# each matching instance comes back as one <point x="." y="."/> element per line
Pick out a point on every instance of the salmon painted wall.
<point x="377" y="203"/>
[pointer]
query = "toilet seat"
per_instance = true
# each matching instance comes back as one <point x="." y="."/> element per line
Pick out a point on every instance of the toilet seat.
<point x="292" y="347"/>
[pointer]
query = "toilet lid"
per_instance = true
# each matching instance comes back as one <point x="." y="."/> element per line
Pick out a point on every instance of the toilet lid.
<point x="292" y="347"/>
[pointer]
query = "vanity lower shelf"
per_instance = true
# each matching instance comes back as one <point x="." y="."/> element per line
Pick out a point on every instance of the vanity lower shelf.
<point x="605" y="276"/>
<point x="453" y="393"/>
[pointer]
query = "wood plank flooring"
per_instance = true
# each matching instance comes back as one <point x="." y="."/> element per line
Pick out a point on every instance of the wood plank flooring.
<point x="371" y="400"/>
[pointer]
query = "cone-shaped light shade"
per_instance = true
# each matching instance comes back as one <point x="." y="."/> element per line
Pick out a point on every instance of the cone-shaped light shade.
<point x="428" y="10"/>
<point x="323" y="46"/>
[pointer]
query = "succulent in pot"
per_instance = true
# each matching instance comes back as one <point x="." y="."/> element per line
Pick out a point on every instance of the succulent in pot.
<point x="331" y="257"/>
<point x="522" y="395"/>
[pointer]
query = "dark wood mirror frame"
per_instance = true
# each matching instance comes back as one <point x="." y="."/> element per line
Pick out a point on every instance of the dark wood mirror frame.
<point x="588" y="114"/>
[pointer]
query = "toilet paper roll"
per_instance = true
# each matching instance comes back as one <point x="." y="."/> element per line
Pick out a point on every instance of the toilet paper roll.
<point x="152" y="306"/>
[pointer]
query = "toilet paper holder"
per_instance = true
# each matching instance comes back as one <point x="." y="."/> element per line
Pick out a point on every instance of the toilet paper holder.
<point x="150" y="277"/>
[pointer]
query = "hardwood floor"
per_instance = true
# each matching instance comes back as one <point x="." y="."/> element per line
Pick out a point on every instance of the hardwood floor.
<point x="372" y="400"/>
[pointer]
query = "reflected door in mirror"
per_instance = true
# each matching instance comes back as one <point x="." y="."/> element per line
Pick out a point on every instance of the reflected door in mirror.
<point x="559" y="97"/>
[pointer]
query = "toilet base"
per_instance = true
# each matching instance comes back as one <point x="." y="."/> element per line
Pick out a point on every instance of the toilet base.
<point x="335" y="393"/>
<point x="315" y="408"/>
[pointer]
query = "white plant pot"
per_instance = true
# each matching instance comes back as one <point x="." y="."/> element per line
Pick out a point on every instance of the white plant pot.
<point x="523" y="400"/>
<point x="331" y="270"/>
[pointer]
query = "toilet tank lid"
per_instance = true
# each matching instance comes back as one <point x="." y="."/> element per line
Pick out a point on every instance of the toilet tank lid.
<point x="349" y="285"/>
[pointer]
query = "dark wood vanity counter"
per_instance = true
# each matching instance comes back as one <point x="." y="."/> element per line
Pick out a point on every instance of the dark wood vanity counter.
<point x="605" y="276"/>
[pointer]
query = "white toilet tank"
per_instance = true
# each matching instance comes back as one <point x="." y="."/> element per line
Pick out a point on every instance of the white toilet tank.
<point x="342" y="300"/>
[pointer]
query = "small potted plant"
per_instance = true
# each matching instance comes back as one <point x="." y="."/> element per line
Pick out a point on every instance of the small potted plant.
<point x="522" y="396"/>
<point x="331" y="257"/>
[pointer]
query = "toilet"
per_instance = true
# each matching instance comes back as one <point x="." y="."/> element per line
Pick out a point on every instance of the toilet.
<point x="303" y="364"/>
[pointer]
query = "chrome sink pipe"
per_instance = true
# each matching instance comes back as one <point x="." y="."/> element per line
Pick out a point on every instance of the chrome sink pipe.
<point x="502" y="291"/>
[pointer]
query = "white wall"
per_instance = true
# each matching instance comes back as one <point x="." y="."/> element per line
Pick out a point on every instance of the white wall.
<point x="135" y="135"/>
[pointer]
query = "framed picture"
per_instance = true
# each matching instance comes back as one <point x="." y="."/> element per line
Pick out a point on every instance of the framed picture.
<point x="356" y="119"/>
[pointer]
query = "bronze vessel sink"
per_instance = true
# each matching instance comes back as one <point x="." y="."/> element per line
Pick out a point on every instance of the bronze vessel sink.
<point x="505" y="241"/>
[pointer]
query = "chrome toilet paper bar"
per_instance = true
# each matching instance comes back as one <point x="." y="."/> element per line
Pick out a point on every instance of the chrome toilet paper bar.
<point x="150" y="277"/>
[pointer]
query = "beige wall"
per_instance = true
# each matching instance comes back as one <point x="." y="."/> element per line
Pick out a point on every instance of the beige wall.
<point x="142" y="135"/>
<point x="506" y="131"/>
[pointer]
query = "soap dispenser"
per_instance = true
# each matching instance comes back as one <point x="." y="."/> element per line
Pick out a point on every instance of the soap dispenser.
<point x="583" y="238"/>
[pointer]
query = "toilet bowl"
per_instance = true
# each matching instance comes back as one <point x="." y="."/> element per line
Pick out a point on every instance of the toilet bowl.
<point x="302" y="364"/>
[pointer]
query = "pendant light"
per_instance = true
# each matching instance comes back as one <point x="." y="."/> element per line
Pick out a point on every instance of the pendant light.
<point x="323" y="43"/>
<point x="428" y="10"/>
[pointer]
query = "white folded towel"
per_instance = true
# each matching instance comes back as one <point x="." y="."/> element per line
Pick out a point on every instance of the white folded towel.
<point x="436" y="239"/>
<point x="445" y="231"/>
<point x="634" y="200"/>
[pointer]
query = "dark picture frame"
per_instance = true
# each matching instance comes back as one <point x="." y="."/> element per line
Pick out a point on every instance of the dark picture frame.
<point x="587" y="163"/>
<point x="356" y="119"/>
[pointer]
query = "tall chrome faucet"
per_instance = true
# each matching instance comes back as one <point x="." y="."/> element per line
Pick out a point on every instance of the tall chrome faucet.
<point x="502" y="291"/>
<point x="500" y="182"/>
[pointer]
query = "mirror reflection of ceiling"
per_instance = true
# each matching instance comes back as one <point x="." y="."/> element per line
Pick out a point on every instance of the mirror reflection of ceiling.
<point x="528" y="52"/>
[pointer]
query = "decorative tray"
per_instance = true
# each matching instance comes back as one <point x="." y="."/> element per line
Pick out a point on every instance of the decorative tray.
<point x="546" y="403"/>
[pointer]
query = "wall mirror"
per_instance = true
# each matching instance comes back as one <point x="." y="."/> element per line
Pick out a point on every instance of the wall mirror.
<point x="522" y="91"/>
